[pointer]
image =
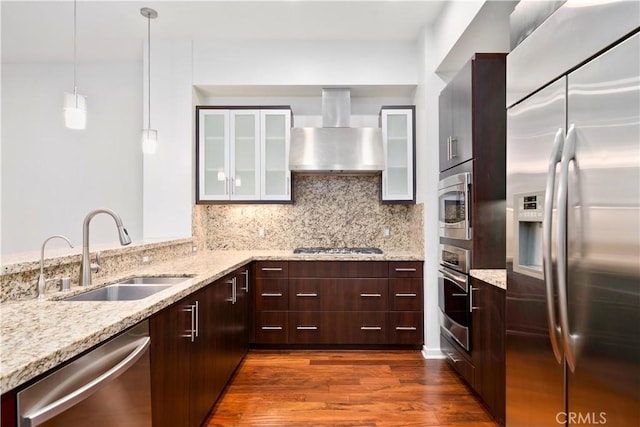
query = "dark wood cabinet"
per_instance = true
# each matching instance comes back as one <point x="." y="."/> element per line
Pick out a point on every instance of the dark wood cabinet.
<point x="472" y="113"/>
<point x="8" y="411"/>
<point x="196" y="344"/>
<point x="339" y="303"/>
<point x="488" y="341"/>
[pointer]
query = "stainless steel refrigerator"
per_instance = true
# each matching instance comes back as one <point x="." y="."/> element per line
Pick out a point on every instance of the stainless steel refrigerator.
<point x="573" y="219"/>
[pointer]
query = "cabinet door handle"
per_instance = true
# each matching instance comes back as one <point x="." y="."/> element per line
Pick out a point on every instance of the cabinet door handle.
<point x="406" y="295"/>
<point x="271" y="268"/>
<point x="270" y="295"/>
<point x="246" y="280"/>
<point x="232" y="184"/>
<point x="449" y="148"/>
<point x="271" y="328"/>
<point x="471" y="307"/>
<point x="306" y="295"/>
<point x="405" y="270"/>
<point x="459" y="295"/>
<point x="307" y="328"/>
<point x="406" y="328"/>
<point x="371" y="295"/>
<point x="191" y="334"/>
<point x="370" y="328"/>
<point x="288" y="186"/>
<point x="454" y="141"/>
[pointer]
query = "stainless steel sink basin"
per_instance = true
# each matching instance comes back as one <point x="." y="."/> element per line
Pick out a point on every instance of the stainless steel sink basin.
<point x="131" y="289"/>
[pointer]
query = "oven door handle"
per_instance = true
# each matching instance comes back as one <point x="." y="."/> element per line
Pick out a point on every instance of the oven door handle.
<point x="44" y="414"/>
<point x="458" y="280"/>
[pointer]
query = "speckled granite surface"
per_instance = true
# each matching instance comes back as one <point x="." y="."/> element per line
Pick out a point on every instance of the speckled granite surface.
<point x="497" y="277"/>
<point x="19" y="277"/>
<point x="36" y="336"/>
<point x="327" y="211"/>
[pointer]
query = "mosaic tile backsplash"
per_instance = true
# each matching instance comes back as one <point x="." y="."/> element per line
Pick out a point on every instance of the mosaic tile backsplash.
<point x="333" y="210"/>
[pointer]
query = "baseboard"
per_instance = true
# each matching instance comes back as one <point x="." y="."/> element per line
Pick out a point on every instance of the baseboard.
<point x="432" y="353"/>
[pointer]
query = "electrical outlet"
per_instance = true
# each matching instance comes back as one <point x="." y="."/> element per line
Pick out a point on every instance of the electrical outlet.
<point x="194" y="249"/>
<point x="145" y="259"/>
<point x="261" y="232"/>
<point x="386" y="232"/>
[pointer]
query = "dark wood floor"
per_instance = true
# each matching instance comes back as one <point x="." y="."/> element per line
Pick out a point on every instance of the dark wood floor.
<point x="347" y="388"/>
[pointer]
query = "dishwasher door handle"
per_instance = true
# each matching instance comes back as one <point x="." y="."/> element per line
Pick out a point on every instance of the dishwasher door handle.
<point x="44" y="414"/>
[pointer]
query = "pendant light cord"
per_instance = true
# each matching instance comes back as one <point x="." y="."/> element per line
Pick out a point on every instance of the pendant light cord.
<point x="149" y="67"/>
<point x="75" y="87"/>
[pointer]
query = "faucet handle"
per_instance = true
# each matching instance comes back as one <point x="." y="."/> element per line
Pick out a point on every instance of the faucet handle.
<point x="96" y="267"/>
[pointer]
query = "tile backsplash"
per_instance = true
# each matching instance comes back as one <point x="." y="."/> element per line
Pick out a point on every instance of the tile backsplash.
<point x="329" y="210"/>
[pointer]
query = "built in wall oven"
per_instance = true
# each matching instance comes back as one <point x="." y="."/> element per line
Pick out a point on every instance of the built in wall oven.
<point x="455" y="297"/>
<point x="454" y="206"/>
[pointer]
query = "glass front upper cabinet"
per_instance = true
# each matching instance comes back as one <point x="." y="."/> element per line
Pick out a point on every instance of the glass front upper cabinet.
<point x="243" y="154"/>
<point x="398" y="138"/>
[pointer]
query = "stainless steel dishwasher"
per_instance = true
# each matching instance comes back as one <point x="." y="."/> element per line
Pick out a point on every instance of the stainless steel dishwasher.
<point x="107" y="387"/>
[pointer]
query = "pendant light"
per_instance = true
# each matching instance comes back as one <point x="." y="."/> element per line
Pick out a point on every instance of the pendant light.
<point x="75" y="105"/>
<point x="149" y="136"/>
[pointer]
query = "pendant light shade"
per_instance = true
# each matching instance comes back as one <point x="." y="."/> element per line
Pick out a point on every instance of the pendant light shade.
<point x="149" y="136"/>
<point x="75" y="110"/>
<point x="75" y="105"/>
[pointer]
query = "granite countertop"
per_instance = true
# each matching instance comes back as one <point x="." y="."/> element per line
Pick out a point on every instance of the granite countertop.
<point x="495" y="277"/>
<point x="36" y="336"/>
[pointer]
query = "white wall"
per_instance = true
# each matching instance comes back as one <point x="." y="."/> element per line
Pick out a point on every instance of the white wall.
<point x="304" y="63"/>
<point x="169" y="174"/>
<point x="53" y="176"/>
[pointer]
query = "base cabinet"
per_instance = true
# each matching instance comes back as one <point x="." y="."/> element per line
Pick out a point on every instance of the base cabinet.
<point x="196" y="344"/>
<point x="339" y="303"/>
<point x="484" y="367"/>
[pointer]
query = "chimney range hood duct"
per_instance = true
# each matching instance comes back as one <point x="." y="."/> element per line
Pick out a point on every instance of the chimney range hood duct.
<point x="336" y="147"/>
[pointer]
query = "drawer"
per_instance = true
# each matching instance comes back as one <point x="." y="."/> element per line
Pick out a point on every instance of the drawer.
<point x="411" y="269"/>
<point x="460" y="363"/>
<point x="406" y="294"/>
<point x="406" y="327"/>
<point x="309" y="294"/>
<point x="272" y="294"/>
<point x="309" y="327"/>
<point x="362" y="294"/>
<point x="361" y="327"/>
<point x="272" y="269"/>
<point x="271" y="327"/>
<point x="357" y="269"/>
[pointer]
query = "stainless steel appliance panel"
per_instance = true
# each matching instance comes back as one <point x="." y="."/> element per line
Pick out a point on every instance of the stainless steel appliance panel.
<point x="454" y="201"/>
<point x="454" y="302"/>
<point x="534" y="377"/>
<point x="109" y="386"/>
<point x="456" y="258"/>
<point x="571" y="35"/>
<point x="602" y="165"/>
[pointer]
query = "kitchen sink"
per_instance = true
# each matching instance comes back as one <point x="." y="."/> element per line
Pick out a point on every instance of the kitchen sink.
<point x="131" y="289"/>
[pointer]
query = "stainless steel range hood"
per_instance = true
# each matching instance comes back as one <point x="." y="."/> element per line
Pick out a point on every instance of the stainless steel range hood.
<point x="336" y="147"/>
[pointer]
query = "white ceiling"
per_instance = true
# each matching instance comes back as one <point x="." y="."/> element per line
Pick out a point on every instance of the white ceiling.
<point x="42" y="31"/>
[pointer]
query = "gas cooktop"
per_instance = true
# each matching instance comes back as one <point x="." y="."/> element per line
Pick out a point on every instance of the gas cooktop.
<point x="337" y="251"/>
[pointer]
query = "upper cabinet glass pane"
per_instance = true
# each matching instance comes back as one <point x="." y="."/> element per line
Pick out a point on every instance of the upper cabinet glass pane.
<point x="214" y="154"/>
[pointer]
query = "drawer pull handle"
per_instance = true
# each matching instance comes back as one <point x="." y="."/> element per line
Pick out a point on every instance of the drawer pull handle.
<point x="271" y="328"/>
<point x="403" y="270"/>
<point x="371" y="295"/>
<point x="406" y="295"/>
<point x="271" y="268"/>
<point x="453" y="359"/>
<point x="271" y="295"/>
<point x="459" y="295"/>
<point x="307" y="328"/>
<point x="406" y="328"/>
<point x="306" y="295"/>
<point x="370" y="328"/>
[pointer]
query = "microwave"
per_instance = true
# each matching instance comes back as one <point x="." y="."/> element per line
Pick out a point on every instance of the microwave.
<point x="454" y="206"/>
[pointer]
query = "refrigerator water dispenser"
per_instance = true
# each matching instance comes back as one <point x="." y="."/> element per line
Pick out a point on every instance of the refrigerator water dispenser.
<point x="528" y="233"/>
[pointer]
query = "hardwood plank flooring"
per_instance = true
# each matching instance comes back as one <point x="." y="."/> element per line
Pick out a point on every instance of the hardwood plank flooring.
<point x="346" y="388"/>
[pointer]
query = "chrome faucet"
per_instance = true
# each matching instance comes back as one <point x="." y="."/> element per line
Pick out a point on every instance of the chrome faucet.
<point x="86" y="267"/>
<point x="41" y="280"/>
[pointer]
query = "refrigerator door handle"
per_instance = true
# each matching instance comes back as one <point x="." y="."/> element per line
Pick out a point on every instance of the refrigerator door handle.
<point x="556" y="157"/>
<point x="568" y="155"/>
